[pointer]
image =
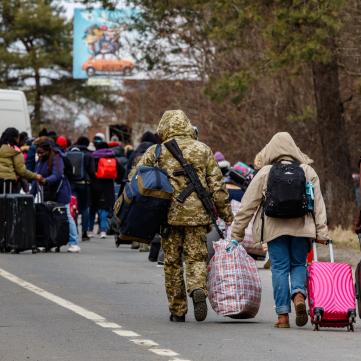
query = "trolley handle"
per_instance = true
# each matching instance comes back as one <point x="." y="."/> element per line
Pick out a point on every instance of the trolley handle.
<point x="5" y="182"/>
<point x="330" y="246"/>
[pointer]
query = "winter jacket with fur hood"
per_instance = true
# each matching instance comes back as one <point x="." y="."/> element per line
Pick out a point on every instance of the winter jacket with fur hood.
<point x="281" y="147"/>
<point x="176" y="125"/>
<point x="12" y="164"/>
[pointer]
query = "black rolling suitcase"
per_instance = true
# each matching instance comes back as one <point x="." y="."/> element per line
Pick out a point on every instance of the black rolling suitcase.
<point x="62" y="226"/>
<point x="45" y="227"/>
<point x="17" y="222"/>
<point x="52" y="225"/>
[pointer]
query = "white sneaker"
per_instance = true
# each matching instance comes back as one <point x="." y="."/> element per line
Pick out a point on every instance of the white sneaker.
<point x="74" y="249"/>
<point x="91" y="234"/>
<point x="103" y="235"/>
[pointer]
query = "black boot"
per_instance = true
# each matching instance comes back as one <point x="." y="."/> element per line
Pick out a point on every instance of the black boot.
<point x="199" y="304"/>
<point x="85" y="237"/>
<point x="175" y="318"/>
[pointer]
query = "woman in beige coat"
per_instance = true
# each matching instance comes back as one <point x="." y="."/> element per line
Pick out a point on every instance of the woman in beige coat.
<point x="288" y="239"/>
<point x="12" y="164"/>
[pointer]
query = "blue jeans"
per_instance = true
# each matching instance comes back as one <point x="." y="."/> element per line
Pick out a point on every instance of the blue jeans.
<point x="288" y="257"/>
<point x="73" y="232"/>
<point x="103" y="220"/>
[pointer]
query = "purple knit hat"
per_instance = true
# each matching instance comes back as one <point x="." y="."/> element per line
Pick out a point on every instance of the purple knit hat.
<point x="219" y="156"/>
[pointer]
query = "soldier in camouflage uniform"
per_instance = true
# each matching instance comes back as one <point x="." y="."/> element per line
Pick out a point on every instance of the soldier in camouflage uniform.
<point x="188" y="221"/>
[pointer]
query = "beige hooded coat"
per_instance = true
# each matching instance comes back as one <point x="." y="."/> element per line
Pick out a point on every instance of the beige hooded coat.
<point x="12" y="164"/>
<point x="281" y="147"/>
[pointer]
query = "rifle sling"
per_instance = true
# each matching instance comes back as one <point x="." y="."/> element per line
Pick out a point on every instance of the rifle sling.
<point x="176" y="152"/>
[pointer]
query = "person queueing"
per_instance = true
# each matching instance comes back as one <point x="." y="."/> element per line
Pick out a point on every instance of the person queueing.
<point x="80" y="157"/>
<point x="12" y="165"/>
<point x="188" y="222"/>
<point x="288" y="239"/>
<point x="56" y="186"/>
<point x="102" y="186"/>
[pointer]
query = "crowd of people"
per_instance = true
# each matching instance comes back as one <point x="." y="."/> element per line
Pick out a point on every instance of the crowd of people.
<point x="51" y="168"/>
<point x="96" y="171"/>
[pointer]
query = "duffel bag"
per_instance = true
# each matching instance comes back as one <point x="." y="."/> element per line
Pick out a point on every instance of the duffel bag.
<point x="143" y="206"/>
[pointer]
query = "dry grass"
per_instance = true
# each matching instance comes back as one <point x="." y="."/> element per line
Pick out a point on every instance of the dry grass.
<point x="344" y="238"/>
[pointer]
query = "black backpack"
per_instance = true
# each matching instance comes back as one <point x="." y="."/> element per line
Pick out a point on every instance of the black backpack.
<point x="286" y="191"/>
<point x="76" y="160"/>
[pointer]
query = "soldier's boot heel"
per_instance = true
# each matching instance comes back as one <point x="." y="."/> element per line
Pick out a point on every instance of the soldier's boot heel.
<point x="175" y="318"/>
<point x="200" y="304"/>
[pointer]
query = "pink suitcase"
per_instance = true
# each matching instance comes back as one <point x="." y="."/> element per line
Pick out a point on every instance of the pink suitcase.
<point x="331" y="293"/>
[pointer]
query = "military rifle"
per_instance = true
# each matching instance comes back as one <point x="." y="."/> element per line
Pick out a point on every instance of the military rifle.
<point x="195" y="184"/>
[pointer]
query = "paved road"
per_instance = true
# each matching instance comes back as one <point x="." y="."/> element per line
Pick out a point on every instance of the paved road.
<point x="118" y="311"/>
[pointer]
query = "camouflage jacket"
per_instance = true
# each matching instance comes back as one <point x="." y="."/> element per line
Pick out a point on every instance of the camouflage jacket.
<point x="175" y="124"/>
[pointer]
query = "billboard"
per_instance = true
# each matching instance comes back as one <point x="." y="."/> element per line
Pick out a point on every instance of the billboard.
<point x="101" y="46"/>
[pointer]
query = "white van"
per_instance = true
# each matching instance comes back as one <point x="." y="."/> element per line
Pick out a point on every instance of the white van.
<point x="14" y="111"/>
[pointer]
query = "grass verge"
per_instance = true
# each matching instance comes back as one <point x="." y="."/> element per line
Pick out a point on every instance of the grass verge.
<point x="344" y="238"/>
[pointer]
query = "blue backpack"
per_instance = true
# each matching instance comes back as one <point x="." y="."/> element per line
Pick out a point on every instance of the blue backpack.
<point x="143" y="207"/>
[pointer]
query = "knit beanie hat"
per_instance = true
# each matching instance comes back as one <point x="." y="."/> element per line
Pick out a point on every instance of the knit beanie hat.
<point x="62" y="142"/>
<point x="219" y="156"/>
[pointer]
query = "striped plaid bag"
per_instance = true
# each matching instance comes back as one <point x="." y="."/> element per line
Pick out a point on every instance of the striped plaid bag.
<point x="234" y="285"/>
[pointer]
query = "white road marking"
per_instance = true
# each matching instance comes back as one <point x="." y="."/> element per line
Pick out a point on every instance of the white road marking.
<point x="92" y="316"/>
<point x="163" y="352"/>
<point x="147" y="343"/>
<point x="126" y="333"/>
<point x="108" y="325"/>
<point x="81" y="311"/>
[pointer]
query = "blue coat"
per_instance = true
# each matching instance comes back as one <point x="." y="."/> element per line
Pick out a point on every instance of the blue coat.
<point x="57" y="187"/>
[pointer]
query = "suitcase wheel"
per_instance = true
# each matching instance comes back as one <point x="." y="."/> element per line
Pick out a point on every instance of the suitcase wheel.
<point x="316" y="321"/>
<point x="351" y="320"/>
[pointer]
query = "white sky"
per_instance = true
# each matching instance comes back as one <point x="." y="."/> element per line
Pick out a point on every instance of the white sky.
<point x="70" y="5"/>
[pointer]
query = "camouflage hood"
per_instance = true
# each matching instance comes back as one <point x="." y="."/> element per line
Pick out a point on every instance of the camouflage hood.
<point x="280" y="146"/>
<point x="175" y="123"/>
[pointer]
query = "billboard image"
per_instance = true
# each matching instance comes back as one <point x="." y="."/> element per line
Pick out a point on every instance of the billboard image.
<point x="101" y="44"/>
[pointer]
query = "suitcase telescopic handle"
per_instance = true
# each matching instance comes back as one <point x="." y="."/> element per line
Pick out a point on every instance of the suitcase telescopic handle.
<point x="40" y="193"/>
<point x="330" y="246"/>
<point x="5" y="182"/>
<point x="10" y="186"/>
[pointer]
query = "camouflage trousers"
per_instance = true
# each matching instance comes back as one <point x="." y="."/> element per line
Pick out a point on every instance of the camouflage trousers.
<point x="186" y="244"/>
